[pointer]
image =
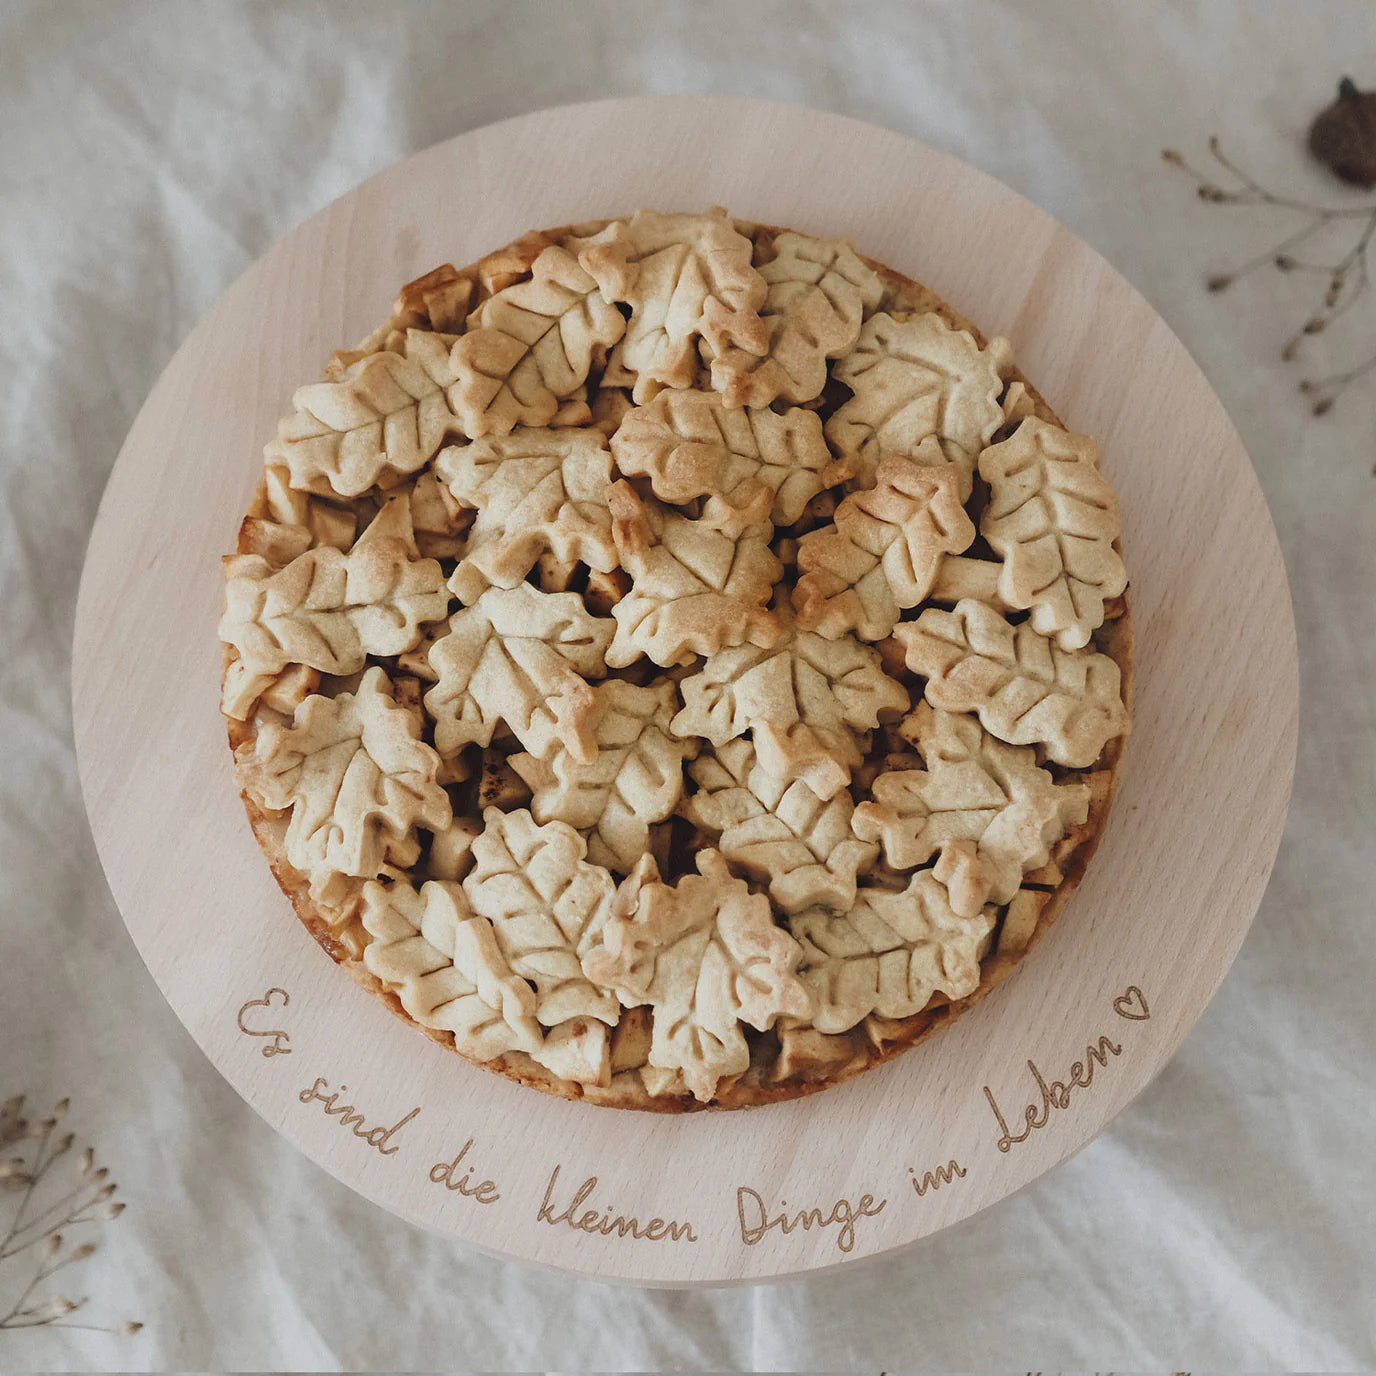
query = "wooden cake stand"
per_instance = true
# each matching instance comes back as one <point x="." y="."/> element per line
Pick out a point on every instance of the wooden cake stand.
<point x="1013" y="1088"/>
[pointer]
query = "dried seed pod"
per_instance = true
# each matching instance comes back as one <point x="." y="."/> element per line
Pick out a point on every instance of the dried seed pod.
<point x="1343" y="136"/>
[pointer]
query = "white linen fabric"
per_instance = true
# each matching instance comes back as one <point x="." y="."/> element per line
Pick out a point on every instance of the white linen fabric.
<point x="149" y="152"/>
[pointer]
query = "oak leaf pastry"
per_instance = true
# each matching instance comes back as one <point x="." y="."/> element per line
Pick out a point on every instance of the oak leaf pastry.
<point x="889" y="954"/>
<point x="356" y="777"/>
<point x="535" y="492"/>
<point x="531" y="346"/>
<point x="974" y="790"/>
<point x="691" y="444"/>
<point x="802" y="699"/>
<point x="328" y="610"/>
<point x="384" y="417"/>
<point x="446" y="968"/>
<point x="635" y="780"/>
<point x="546" y="905"/>
<point x="519" y="658"/>
<point x="685" y="278"/>
<point x="675" y="661"/>
<point x="1054" y="520"/>
<point x="819" y="292"/>
<point x="707" y="956"/>
<point x="698" y="586"/>
<point x="1024" y="688"/>
<point x="884" y="548"/>
<point x="914" y="379"/>
<point x="778" y="831"/>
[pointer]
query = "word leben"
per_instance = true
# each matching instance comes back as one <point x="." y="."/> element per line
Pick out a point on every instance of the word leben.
<point x="607" y="1221"/>
<point x="756" y="1223"/>
<point x="1056" y="1094"/>
<point x="350" y="1117"/>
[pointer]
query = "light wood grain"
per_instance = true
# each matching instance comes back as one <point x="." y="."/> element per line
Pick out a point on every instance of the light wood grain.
<point x="1163" y="909"/>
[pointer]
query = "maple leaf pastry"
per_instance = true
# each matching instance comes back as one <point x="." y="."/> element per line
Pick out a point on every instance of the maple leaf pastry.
<point x="676" y="661"/>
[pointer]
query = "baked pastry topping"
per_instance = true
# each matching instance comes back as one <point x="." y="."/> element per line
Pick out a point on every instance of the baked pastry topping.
<point x="675" y="661"/>
<point x="882" y="552"/>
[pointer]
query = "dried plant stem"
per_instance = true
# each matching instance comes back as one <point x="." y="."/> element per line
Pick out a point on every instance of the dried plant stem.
<point x="39" y="1169"/>
<point x="89" y="1327"/>
<point x="12" y="1246"/>
<point x="91" y="1200"/>
<point x="1253" y="193"/>
<point x="16" y="1309"/>
<point x="1349" y="278"/>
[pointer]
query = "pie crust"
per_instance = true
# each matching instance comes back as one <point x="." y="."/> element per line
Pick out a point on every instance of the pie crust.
<point x="677" y="662"/>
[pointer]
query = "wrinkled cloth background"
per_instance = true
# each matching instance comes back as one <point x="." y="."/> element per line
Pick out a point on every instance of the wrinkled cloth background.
<point x="150" y="152"/>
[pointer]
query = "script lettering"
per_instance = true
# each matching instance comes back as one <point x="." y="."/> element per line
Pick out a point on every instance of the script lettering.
<point x="350" y="1117"/>
<point x="446" y="1173"/>
<point x="934" y="1180"/>
<point x="278" y="1046"/>
<point x="1055" y="1095"/>
<point x="606" y="1221"/>
<point x="756" y="1223"/>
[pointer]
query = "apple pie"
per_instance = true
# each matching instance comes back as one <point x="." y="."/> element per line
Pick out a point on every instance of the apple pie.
<point x="676" y="661"/>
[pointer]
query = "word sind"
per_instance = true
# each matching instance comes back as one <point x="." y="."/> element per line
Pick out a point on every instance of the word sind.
<point x="350" y="1117"/>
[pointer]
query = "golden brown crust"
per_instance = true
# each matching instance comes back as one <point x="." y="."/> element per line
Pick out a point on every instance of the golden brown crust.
<point x="872" y="1043"/>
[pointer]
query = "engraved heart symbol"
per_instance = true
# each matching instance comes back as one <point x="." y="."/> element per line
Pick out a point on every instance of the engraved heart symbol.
<point x="1132" y="1003"/>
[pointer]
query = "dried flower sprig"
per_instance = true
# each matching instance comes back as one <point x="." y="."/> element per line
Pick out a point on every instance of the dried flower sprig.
<point x="1348" y="278"/>
<point x="29" y="1152"/>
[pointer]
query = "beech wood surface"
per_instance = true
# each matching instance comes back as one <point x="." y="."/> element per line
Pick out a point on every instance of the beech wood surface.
<point x="1140" y="949"/>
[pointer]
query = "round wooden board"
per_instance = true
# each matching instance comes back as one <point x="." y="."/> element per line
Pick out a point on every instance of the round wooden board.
<point x="905" y="1150"/>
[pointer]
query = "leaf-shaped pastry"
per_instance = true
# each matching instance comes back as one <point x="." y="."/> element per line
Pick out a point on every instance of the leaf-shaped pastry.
<point x="889" y="954"/>
<point x="636" y="779"/>
<point x="959" y="577"/>
<point x="438" y="301"/>
<point x="385" y="417"/>
<point x="440" y="523"/>
<point x="446" y="968"/>
<point x="818" y="295"/>
<point x="277" y="502"/>
<point x="684" y="277"/>
<point x="697" y="586"/>
<point x="505" y="266"/>
<point x="530" y="346"/>
<point x="975" y="788"/>
<point x="778" y="831"/>
<point x="706" y="955"/>
<point x="1053" y="518"/>
<point x="355" y="774"/>
<point x="915" y="378"/>
<point x="1025" y="688"/>
<point x="883" y="550"/>
<point x="519" y="656"/>
<point x="610" y="406"/>
<point x="690" y="445"/>
<point x="578" y="1049"/>
<point x="330" y="610"/>
<point x="546" y="905"/>
<point x="801" y="699"/>
<point x="536" y="491"/>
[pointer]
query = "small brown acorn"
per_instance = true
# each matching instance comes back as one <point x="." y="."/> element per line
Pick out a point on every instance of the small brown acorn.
<point x="1343" y="136"/>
